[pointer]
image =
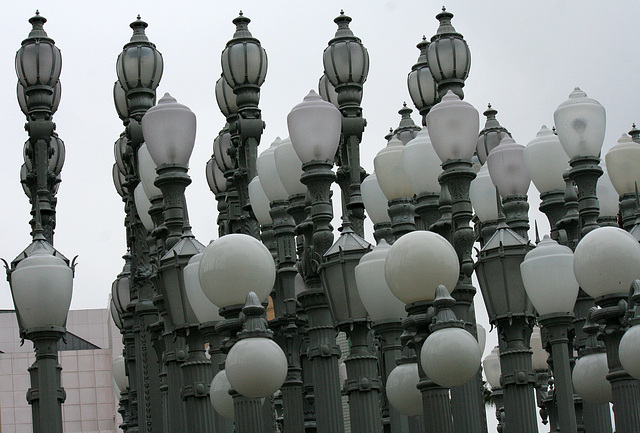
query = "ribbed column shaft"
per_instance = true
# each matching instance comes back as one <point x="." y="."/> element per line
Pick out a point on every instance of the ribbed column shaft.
<point x="173" y="357"/>
<point x="216" y="358"/>
<point x="196" y="372"/>
<point x="436" y="407"/>
<point x="248" y="414"/>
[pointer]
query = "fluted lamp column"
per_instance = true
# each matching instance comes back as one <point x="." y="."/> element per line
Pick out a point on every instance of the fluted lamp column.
<point x="547" y="274"/>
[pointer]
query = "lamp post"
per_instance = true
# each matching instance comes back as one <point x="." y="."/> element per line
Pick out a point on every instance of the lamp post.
<point x="40" y="277"/>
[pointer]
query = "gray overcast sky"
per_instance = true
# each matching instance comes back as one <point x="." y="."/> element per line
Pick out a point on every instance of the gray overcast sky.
<point x="526" y="59"/>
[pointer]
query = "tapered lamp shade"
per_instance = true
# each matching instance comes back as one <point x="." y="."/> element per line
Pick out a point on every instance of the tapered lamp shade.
<point x="38" y="61"/>
<point x="256" y="376"/>
<point x="345" y="60"/>
<point x="422" y="87"/>
<point x="268" y="173"/>
<point x="244" y="61"/>
<point x="289" y="168"/>
<point x="259" y="202"/>
<point x="421" y="164"/>
<point x="169" y="130"/>
<point x="221" y="148"/>
<point x="203" y="308"/>
<point x="142" y="206"/>
<point x="448" y="53"/>
<point x="120" y="101"/>
<point x="629" y="351"/>
<point x="402" y="390"/>
<point x="139" y="65"/>
<point x="453" y="127"/>
<point x="221" y="400"/>
<point x="590" y="378"/>
<point x="580" y="124"/>
<point x="119" y="373"/>
<point x="374" y="291"/>
<point x="546" y="161"/>
<point x="491" y="367"/>
<point x="606" y="262"/>
<point x="314" y="128"/>
<point x="418" y="263"/>
<point x="539" y="356"/>
<point x="389" y="168"/>
<point x="623" y="165"/>
<point x="41" y="285"/>
<point x="224" y="264"/>
<point x="508" y="170"/>
<point x="327" y="91"/>
<point x="482" y="193"/>
<point x="608" y="197"/>
<point x="547" y="274"/>
<point x="450" y="356"/>
<point x="225" y="98"/>
<point x="375" y="202"/>
<point x="147" y="171"/>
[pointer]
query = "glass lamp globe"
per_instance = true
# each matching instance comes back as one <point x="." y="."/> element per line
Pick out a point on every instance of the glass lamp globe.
<point x="418" y="263"/>
<point x="142" y="206"/>
<point x="606" y="262"/>
<point x="580" y="123"/>
<point x="38" y="61"/>
<point x="345" y="60"/>
<point x="314" y="129"/>
<point x="547" y="274"/>
<point x="422" y="87"/>
<point x="482" y="337"/>
<point x="225" y="97"/>
<point x="375" y="202"/>
<point x="256" y="367"/>
<point x="169" y="130"/>
<point x="41" y="285"/>
<point x="546" y="161"/>
<point x="623" y="165"/>
<point x="120" y="150"/>
<point x="221" y="148"/>
<point x="147" y="170"/>
<point x="289" y="168"/>
<point x="221" y="400"/>
<point x="507" y="169"/>
<point x="608" y="198"/>
<point x="120" y="101"/>
<point x="539" y="356"/>
<point x="117" y="177"/>
<point x="492" y="369"/>
<point x="453" y="127"/>
<point x="244" y="61"/>
<point x="482" y="193"/>
<point x="259" y="202"/>
<point x="590" y="378"/>
<point x="629" y="351"/>
<point x="119" y="374"/>
<point x="232" y="258"/>
<point x="373" y="289"/>
<point x="215" y="178"/>
<point x="421" y="164"/>
<point x="390" y="171"/>
<point x="327" y="91"/>
<point x="139" y="65"/>
<point x="268" y="173"/>
<point x="203" y="308"/>
<point x="450" y="356"/>
<point x="402" y="391"/>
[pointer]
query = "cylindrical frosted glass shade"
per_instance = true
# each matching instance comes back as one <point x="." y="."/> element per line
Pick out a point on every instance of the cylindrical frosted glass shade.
<point x="606" y="262"/>
<point x="375" y="202"/>
<point x="418" y="263"/>
<point x="453" y="128"/>
<point x="421" y="164"/>
<point x="259" y="202"/>
<point x="547" y="274"/>
<point x="389" y="167"/>
<point x="224" y="263"/>
<point x="623" y="165"/>
<point x="546" y="161"/>
<point x="314" y="128"/>
<point x="203" y="308"/>
<point x="147" y="171"/>
<point x="142" y="206"/>
<point x="169" y="130"/>
<point x="482" y="193"/>
<point x="289" y="168"/>
<point x="374" y="291"/>
<point x="42" y="285"/>
<point x="507" y="169"/>
<point x="580" y="124"/>
<point x="268" y="173"/>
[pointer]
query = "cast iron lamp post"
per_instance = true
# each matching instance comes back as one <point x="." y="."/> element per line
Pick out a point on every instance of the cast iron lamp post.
<point x="41" y="278"/>
<point x="606" y="263"/>
<point x="547" y="274"/>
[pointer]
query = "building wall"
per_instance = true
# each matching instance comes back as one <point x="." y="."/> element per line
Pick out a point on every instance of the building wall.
<point x="91" y="404"/>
